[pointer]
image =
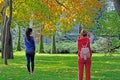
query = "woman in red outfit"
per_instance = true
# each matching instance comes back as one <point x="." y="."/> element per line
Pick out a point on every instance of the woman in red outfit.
<point x="83" y="40"/>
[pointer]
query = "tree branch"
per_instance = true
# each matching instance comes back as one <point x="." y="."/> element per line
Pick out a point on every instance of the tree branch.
<point x="60" y="4"/>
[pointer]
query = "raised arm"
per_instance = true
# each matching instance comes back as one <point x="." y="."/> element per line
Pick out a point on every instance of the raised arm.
<point x="91" y="37"/>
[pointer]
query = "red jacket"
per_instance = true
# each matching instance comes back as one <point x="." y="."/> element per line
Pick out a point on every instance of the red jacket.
<point x="83" y="41"/>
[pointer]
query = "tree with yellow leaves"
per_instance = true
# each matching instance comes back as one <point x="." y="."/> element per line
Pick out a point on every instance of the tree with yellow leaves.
<point x="69" y="12"/>
<point x="50" y="12"/>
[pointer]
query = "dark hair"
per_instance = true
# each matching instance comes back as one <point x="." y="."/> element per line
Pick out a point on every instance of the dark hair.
<point x="28" y="32"/>
<point x="83" y="33"/>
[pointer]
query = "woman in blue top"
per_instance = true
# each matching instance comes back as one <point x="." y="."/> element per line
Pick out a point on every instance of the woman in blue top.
<point x="30" y="49"/>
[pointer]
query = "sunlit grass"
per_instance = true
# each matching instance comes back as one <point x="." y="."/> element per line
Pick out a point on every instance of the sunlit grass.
<point x="59" y="67"/>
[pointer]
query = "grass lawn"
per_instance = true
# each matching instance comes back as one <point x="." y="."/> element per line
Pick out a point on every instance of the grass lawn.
<point x="59" y="67"/>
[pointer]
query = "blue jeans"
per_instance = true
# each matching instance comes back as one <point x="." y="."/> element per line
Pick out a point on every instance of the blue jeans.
<point x="30" y="58"/>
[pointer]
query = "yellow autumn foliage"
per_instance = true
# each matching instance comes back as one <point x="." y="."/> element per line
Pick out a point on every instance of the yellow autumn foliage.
<point x="7" y="11"/>
<point x="49" y="28"/>
<point x="1" y="6"/>
<point x="1" y="1"/>
<point x="67" y="12"/>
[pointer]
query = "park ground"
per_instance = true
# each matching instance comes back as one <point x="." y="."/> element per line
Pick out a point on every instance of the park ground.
<point x="60" y="67"/>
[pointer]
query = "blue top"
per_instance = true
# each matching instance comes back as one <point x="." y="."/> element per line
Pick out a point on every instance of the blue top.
<point x="30" y="45"/>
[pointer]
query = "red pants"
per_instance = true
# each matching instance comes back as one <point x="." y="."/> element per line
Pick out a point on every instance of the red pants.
<point x="81" y="64"/>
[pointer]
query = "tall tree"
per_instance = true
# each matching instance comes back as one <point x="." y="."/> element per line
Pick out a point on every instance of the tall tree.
<point x="82" y="11"/>
<point x="109" y="29"/>
<point x="64" y="11"/>
<point x="6" y="35"/>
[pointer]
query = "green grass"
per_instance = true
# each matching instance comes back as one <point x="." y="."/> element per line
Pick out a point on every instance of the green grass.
<point x="59" y="67"/>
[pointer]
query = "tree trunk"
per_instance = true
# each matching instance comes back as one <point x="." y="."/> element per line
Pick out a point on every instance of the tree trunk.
<point x="3" y="38"/>
<point x="5" y="42"/>
<point x="6" y="36"/>
<point x="79" y="29"/>
<point x="10" y="47"/>
<point x="19" y="36"/>
<point x="53" y="50"/>
<point x="9" y="40"/>
<point x="41" y="50"/>
<point x="117" y="5"/>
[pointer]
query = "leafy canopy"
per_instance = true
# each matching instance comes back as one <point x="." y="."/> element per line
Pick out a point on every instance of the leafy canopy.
<point x="50" y="12"/>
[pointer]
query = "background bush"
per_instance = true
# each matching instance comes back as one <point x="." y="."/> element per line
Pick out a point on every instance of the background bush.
<point x="106" y="45"/>
<point x="66" y="47"/>
<point x="100" y="45"/>
<point x="63" y="47"/>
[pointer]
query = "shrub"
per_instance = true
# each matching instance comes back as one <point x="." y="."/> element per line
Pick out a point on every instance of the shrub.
<point x="106" y="45"/>
<point x="66" y="47"/>
<point x="47" y="48"/>
<point x="63" y="47"/>
<point x="100" y="45"/>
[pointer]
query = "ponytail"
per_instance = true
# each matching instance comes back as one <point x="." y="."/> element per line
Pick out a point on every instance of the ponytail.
<point x="28" y="32"/>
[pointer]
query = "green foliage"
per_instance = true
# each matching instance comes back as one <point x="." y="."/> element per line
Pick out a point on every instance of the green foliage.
<point x="59" y="67"/>
<point x="15" y="35"/>
<point x="106" y="44"/>
<point x="109" y="23"/>
<point x="67" y="47"/>
<point x="100" y="45"/>
<point x="108" y="29"/>
<point x="47" y="48"/>
<point x="63" y="47"/>
<point x="118" y="50"/>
